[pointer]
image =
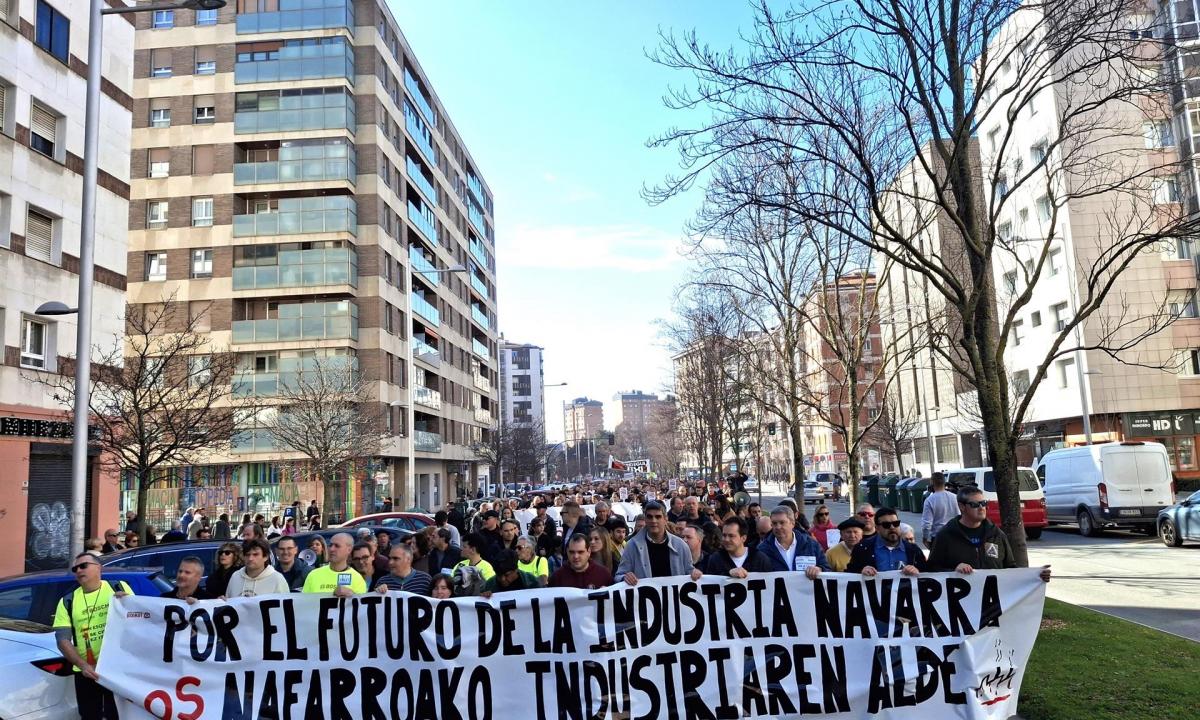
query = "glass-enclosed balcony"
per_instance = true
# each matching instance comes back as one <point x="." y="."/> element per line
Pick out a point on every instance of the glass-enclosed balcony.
<point x="426" y="441"/>
<point x="480" y="349"/>
<point x="479" y="285"/>
<point x="476" y="217"/>
<point x="422" y="265"/>
<point x="423" y="219"/>
<point x="300" y="161"/>
<point x="294" y="109"/>
<point x="427" y="397"/>
<point x="289" y="372"/>
<point x="248" y="440"/>
<point x="479" y="252"/>
<point x="425" y="351"/>
<point x="298" y="216"/>
<point x="479" y="316"/>
<point x="301" y="59"/>
<point x="414" y="89"/>
<point x="421" y="136"/>
<point x="335" y="320"/>
<point x="476" y="186"/>
<point x="483" y="415"/>
<point x="418" y="178"/>
<point x="299" y="268"/>
<point x="425" y="309"/>
<point x="480" y="381"/>
<point x="299" y="15"/>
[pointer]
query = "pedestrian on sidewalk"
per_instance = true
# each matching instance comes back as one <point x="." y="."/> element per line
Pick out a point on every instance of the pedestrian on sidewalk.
<point x="940" y="507"/>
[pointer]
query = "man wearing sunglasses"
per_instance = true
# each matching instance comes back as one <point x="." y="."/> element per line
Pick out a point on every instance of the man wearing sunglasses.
<point x="887" y="550"/>
<point x="866" y="515"/>
<point x="79" y="628"/>
<point x="970" y="541"/>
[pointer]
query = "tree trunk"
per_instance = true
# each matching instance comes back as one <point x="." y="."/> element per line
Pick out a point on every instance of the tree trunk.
<point x="143" y="487"/>
<point x="1002" y="449"/>
<point x="330" y="510"/>
<point x="798" y="474"/>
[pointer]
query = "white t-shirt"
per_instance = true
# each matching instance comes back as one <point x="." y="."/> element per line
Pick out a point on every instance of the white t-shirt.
<point x="739" y="560"/>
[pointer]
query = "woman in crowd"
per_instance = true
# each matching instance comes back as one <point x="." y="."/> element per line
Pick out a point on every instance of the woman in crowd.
<point x="604" y="550"/>
<point x="228" y="561"/>
<point x="821" y="527"/>
<point x="131" y="539"/>
<point x="314" y="523"/>
<point x="275" y="529"/>
<point x="289" y="525"/>
<point x="442" y="588"/>
<point x="421" y="543"/>
<point x="528" y="560"/>
<point x="317" y="545"/>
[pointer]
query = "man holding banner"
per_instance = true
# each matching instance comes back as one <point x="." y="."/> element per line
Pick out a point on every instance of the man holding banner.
<point x="788" y="549"/>
<point x="337" y="577"/>
<point x="654" y="552"/>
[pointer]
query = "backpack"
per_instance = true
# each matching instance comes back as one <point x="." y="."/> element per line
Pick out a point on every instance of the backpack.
<point x="69" y="599"/>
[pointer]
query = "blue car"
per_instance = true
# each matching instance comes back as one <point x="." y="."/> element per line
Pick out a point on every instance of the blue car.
<point x="34" y="596"/>
<point x="1180" y="522"/>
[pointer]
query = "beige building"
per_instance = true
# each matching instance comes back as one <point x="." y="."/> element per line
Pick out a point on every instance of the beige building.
<point x="296" y="179"/>
<point x="42" y="91"/>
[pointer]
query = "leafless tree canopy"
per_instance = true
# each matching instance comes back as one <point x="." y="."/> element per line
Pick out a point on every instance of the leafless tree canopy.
<point x="519" y="450"/>
<point x="888" y="110"/>
<point x="160" y="399"/>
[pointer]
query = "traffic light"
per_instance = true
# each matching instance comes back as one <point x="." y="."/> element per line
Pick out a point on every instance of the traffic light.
<point x="612" y="439"/>
<point x="770" y="428"/>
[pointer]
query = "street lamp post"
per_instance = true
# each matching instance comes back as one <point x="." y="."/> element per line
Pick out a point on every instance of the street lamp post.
<point x="87" y="246"/>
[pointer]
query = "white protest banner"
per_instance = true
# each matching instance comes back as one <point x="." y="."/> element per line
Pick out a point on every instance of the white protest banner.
<point x="774" y="645"/>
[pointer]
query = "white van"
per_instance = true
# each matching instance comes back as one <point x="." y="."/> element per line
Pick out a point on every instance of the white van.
<point x="1112" y="485"/>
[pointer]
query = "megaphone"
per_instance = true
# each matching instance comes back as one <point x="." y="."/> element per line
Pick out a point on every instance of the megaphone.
<point x="741" y="499"/>
<point x="308" y="556"/>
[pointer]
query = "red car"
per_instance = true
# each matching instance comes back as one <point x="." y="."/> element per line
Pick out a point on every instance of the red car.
<point x="403" y="520"/>
<point x="1033" y="500"/>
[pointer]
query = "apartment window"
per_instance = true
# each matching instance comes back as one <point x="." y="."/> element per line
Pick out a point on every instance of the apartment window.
<point x="1020" y="382"/>
<point x="993" y="136"/>
<point x="1001" y="188"/>
<point x="7" y="100"/>
<point x="156" y="266"/>
<point x="33" y="343"/>
<point x="156" y="214"/>
<point x="1166" y="190"/>
<point x="39" y="235"/>
<point x="199" y="370"/>
<point x="1192" y="365"/>
<point x="947" y="448"/>
<point x="199" y="319"/>
<point x="53" y="31"/>
<point x="202" y="212"/>
<point x="206" y="17"/>
<point x="160" y="112"/>
<point x="1055" y="261"/>
<point x="206" y="111"/>
<point x="1182" y="303"/>
<point x="43" y="130"/>
<point x="1035" y="319"/>
<point x="1017" y="328"/>
<point x="1045" y="209"/>
<point x="1005" y="231"/>
<point x="1060" y="316"/>
<point x="1037" y="153"/>
<point x="1064" y="369"/>
<point x="160" y="162"/>
<point x="1158" y="133"/>
<point x="202" y="160"/>
<point x="1184" y="248"/>
<point x="163" y="19"/>
<point x="206" y="60"/>
<point x="160" y="63"/>
<point x="1010" y="281"/>
<point x="202" y="262"/>
<point x="5" y="235"/>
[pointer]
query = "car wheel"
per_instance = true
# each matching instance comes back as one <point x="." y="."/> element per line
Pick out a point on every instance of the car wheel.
<point x="1087" y="526"/>
<point x="1168" y="534"/>
<point x="1033" y="533"/>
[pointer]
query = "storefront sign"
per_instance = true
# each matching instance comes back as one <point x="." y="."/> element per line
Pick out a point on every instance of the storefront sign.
<point x="29" y="427"/>
<point x="1162" y="424"/>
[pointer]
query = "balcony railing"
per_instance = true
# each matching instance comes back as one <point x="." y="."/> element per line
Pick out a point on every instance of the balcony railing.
<point x="247" y="440"/>
<point x="301" y="268"/>
<point x="425" y="352"/>
<point x="425" y="309"/>
<point x="268" y="384"/>
<point x="297" y="216"/>
<point x="337" y="320"/>
<point x="476" y="217"/>
<point x="480" y="382"/>
<point x="476" y="187"/>
<point x="335" y="112"/>
<point x="299" y="62"/>
<point x="427" y="397"/>
<point x="479" y="252"/>
<point x="425" y="441"/>
<point x="480" y="348"/>
<point x="299" y="15"/>
<point x="414" y="89"/>
<point x="420" y="134"/>
<point x="483" y="415"/>
<point x="479" y="285"/>
<point x="480" y="317"/>
<point x="288" y="171"/>
<point x="418" y="177"/>
<point x="422" y="265"/>
<point x="424" y="222"/>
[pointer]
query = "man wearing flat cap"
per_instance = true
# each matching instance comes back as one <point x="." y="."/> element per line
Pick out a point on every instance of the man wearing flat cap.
<point x="839" y="555"/>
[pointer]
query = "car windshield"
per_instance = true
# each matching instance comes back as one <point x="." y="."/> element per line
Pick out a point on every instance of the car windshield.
<point x="1027" y="481"/>
<point x="1195" y="498"/>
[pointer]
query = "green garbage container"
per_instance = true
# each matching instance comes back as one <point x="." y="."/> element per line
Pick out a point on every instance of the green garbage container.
<point x="868" y="489"/>
<point x="903" y="499"/>
<point x="917" y="490"/>
<point x="887" y="491"/>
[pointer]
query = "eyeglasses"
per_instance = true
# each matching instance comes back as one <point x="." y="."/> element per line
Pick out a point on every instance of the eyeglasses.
<point x="80" y="566"/>
<point x="362" y="558"/>
<point x="864" y="513"/>
<point x="888" y="525"/>
<point x="822" y="514"/>
<point x="225" y="552"/>
<point x="977" y="504"/>
<point x="108" y="535"/>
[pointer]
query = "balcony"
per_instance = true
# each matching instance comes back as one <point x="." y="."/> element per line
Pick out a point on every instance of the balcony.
<point x="476" y="186"/>
<point x="479" y="285"/>
<point x="298" y="216"/>
<point x="301" y="268"/>
<point x="256" y="173"/>
<point x="292" y="110"/>
<point x="423" y="219"/>
<point x="480" y="317"/>
<point x="424" y="441"/>
<point x="422" y="265"/>
<point x="479" y="252"/>
<point x="269" y="384"/>
<point x="299" y="15"/>
<point x="414" y="89"/>
<point x="420" y="134"/>
<point x="336" y="320"/>
<point x="425" y="352"/>
<point x="480" y="349"/>
<point x="423" y="308"/>
<point x="481" y="382"/>
<point x="249" y="440"/>
<point x="476" y="217"/>
<point x="427" y="397"/>
<point x="418" y="178"/>
<point x="297" y="60"/>
<point x="483" y="415"/>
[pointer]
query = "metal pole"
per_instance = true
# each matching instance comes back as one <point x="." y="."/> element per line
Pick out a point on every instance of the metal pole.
<point x="1083" y="398"/>
<point x="410" y="415"/>
<point x="87" y="245"/>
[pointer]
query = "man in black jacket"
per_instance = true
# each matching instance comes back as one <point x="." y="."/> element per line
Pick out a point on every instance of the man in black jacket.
<point x="734" y="559"/>
<point x="971" y="541"/>
<point x="887" y="550"/>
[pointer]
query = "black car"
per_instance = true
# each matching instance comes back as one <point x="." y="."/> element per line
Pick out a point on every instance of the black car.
<point x="34" y="596"/>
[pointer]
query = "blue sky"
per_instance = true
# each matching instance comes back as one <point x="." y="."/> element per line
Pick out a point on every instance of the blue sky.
<point x="555" y="101"/>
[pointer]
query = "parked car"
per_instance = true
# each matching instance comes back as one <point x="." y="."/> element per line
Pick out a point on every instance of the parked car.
<point x="34" y="596"/>
<point x="751" y="484"/>
<point x="413" y="521"/>
<point x="814" y="492"/>
<point x="165" y="556"/>
<point x="1113" y="485"/>
<point x="828" y="481"/>
<point x="1180" y="522"/>
<point x="1033" y="501"/>
<point x="36" y="683"/>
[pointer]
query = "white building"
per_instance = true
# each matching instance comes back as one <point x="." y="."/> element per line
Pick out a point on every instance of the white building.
<point x="42" y="91"/>
<point x="522" y="385"/>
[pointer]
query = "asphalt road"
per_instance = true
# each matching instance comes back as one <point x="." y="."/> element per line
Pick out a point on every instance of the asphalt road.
<point x="1124" y="574"/>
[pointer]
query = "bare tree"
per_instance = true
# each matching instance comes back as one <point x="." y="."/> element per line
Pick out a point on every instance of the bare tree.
<point x="516" y="450"/>
<point x="329" y="414"/>
<point x="663" y="439"/>
<point x="882" y="104"/>
<point x="899" y="424"/>
<point x="160" y="398"/>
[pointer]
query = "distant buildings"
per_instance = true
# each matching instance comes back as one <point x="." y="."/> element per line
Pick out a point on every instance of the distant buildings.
<point x="522" y="385"/>
<point x="583" y="420"/>
<point x="635" y="415"/>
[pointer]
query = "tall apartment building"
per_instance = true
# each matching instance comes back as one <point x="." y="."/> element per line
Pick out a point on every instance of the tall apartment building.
<point x="583" y="419"/>
<point x="297" y="183"/>
<point x="522" y="385"/>
<point x="635" y="413"/>
<point x="42" y="91"/>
